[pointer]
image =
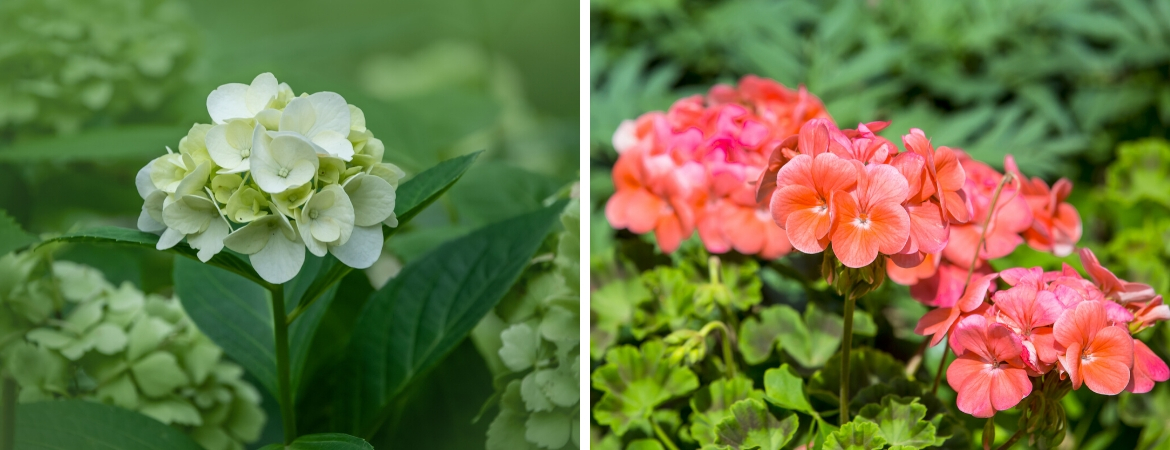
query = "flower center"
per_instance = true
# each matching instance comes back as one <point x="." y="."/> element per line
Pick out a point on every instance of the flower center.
<point x="862" y="221"/>
<point x="292" y="199"/>
<point x="313" y="214"/>
<point x="283" y="172"/>
<point x="245" y="153"/>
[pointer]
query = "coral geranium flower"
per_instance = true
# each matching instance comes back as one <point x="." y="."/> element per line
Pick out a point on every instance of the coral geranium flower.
<point x="802" y="205"/>
<point x="1028" y="312"/>
<point x="1010" y="218"/>
<point x="989" y="375"/>
<point x="635" y="205"/>
<point x="1148" y="368"/>
<point x="1113" y="287"/>
<point x="1095" y="353"/>
<point x="937" y="323"/>
<point x="871" y="220"/>
<point x="946" y="177"/>
<point x="1057" y="225"/>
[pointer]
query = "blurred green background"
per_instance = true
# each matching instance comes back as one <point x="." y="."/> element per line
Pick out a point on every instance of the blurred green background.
<point x="91" y="90"/>
<point x="1077" y="89"/>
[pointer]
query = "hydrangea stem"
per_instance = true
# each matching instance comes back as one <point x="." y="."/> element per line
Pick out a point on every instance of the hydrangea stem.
<point x="283" y="381"/>
<point x="846" y="344"/>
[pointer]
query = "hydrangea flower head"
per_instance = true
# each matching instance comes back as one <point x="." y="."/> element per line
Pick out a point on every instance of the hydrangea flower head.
<point x="273" y="175"/>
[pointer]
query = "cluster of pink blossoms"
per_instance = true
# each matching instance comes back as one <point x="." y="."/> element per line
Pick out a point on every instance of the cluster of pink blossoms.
<point x="1026" y="211"/>
<point x="1047" y="321"/>
<point x="692" y="167"/>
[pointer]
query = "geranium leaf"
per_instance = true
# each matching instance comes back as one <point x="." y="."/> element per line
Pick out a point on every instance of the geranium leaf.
<point x="900" y="422"/>
<point x="786" y="390"/>
<point x="855" y="436"/>
<point x="635" y="381"/>
<point x="757" y="335"/>
<point x="326" y="441"/>
<point x="751" y="426"/>
<point x="712" y="404"/>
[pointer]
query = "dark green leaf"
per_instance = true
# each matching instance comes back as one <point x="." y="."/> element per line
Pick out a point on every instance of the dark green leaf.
<point x="751" y="426"/>
<point x="411" y="197"/>
<point x="125" y="236"/>
<point x="234" y="312"/>
<point x="410" y="324"/>
<point x="855" y="436"/>
<point x="76" y="424"/>
<point x="635" y="381"/>
<point x="328" y="441"/>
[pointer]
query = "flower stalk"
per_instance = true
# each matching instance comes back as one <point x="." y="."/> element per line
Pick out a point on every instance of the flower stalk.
<point x="284" y="380"/>
<point x="7" y="413"/>
<point x="846" y="345"/>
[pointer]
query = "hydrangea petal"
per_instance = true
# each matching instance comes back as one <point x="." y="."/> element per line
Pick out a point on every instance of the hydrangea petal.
<point x="362" y="249"/>
<point x="372" y="197"/>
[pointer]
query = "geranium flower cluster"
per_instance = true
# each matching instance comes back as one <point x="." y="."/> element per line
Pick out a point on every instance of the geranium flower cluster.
<point x="272" y="175"/>
<point x="1026" y="211"/>
<point x="853" y="192"/>
<point x="692" y="167"/>
<point x="1082" y="328"/>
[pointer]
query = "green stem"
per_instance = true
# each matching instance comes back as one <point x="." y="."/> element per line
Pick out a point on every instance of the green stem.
<point x="1012" y="440"/>
<point x="8" y="413"/>
<point x="942" y="362"/>
<point x="846" y="344"/>
<point x="662" y="435"/>
<point x="283" y="380"/>
<point x="728" y="353"/>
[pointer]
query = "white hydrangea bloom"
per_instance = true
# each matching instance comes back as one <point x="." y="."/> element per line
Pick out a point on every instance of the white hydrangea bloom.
<point x="274" y="175"/>
<point x="324" y="119"/>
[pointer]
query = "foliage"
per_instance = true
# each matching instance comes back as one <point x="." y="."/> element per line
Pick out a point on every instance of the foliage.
<point x="540" y="348"/>
<point x="1037" y="79"/>
<point x="70" y="334"/>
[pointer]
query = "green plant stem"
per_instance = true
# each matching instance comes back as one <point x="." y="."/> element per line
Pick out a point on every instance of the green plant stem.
<point x="662" y="435"/>
<point x="846" y="344"/>
<point x="8" y="413"/>
<point x="284" y="381"/>
<point x="942" y="362"/>
<point x="728" y="353"/>
<point x="1012" y="440"/>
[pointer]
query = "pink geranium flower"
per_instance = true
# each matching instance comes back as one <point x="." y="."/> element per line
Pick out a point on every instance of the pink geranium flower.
<point x="938" y="322"/>
<point x="1056" y="226"/>
<point x="1113" y="287"/>
<point x="989" y="374"/>
<point x="1148" y="368"/>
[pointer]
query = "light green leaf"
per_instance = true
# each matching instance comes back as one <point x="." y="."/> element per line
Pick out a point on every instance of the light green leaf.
<point x="757" y="334"/>
<point x="900" y="422"/>
<point x="786" y="390"/>
<point x="855" y="436"/>
<point x="419" y="316"/>
<point x="234" y="312"/>
<point x="328" y="441"/>
<point x="751" y="426"/>
<point x="520" y="345"/>
<point x="635" y="382"/>
<point x="868" y="367"/>
<point x="549" y="429"/>
<point x="158" y="374"/>
<point x="644" y="444"/>
<point x="76" y="424"/>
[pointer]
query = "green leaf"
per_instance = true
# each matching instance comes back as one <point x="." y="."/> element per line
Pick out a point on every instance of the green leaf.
<point x="855" y="436"/>
<point x="786" y="390"/>
<point x="900" y="422"/>
<point x="131" y="143"/>
<point x="613" y="307"/>
<point x="757" y="334"/>
<point x="411" y="197"/>
<point x="327" y="441"/>
<point x="635" y="382"/>
<point x="125" y="236"/>
<point x="234" y="312"/>
<point x="415" y="194"/>
<point x="477" y="197"/>
<point x="751" y="426"/>
<point x="158" y="374"/>
<point x="410" y="324"/>
<point x="645" y="444"/>
<point x="12" y="236"/>
<point x="713" y="403"/>
<point x="76" y="424"/>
